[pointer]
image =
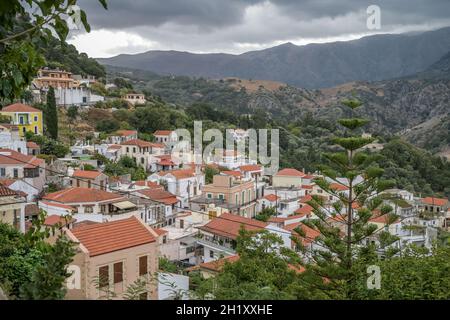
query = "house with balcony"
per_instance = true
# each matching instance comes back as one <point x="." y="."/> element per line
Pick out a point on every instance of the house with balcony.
<point x="135" y="99"/>
<point x="184" y="183"/>
<point x="288" y="178"/>
<point x="122" y="136"/>
<point x="143" y="152"/>
<point x="15" y="165"/>
<point x="167" y="199"/>
<point x="89" y="179"/>
<point x="165" y="137"/>
<point x="89" y="204"/>
<point x="110" y="257"/>
<point x="25" y="117"/>
<point x="180" y="242"/>
<point x="237" y="195"/>
<point x="218" y="237"/>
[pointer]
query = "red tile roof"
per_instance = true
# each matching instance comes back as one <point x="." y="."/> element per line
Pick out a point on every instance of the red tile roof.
<point x="150" y="184"/>
<point x="32" y="145"/>
<point x="126" y="133"/>
<point x="228" y="225"/>
<point x="310" y="234"/>
<point x="159" y="196"/>
<point x="58" y="205"/>
<point x="162" y="132"/>
<point x="137" y="142"/>
<point x="338" y="187"/>
<point x="271" y="197"/>
<point x="113" y="236"/>
<point x="217" y="265"/>
<point x="306" y="198"/>
<point x="434" y="201"/>
<point x="19" y="107"/>
<point x="58" y="220"/>
<point x="179" y="174"/>
<point x="7" y="182"/>
<point x="7" y="192"/>
<point x="233" y="173"/>
<point x="8" y="156"/>
<point x="86" y="174"/>
<point x="290" y="172"/>
<point x="250" y="167"/>
<point x="305" y="210"/>
<point x="79" y="195"/>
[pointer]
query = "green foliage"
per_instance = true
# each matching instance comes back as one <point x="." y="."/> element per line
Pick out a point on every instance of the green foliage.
<point x="341" y="244"/>
<point x="266" y="213"/>
<point x="122" y="83"/>
<point x="262" y="272"/>
<point x="32" y="268"/>
<point x="51" y="115"/>
<point x="210" y="172"/>
<point x="49" y="146"/>
<point x="23" y="32"/>
<point x="72" y="112"/>
<point x="107" y="125"/>
<point x="167" y="266"/>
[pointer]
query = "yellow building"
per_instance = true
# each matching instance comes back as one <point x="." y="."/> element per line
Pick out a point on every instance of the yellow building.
<point x="25" y="117"/>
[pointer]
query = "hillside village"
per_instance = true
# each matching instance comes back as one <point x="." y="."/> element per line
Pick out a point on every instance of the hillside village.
<point x="169" y="208"/>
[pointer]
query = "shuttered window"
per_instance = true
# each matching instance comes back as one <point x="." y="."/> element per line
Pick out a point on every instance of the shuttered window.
<point x="118" y="272"/>
<point x="143" y="265"/>
<point x="103" y="276"/>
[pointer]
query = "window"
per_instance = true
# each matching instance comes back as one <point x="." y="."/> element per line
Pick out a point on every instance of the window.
<point x="221" y="196"/>
<point x="89" y="209"/>
<point x="128" y="149"/>
<point x="103" y="276"/>
<point x="142" y="160"/>
<point x="78" y="183"/>
<point x="164" y="240"/>
<point x="209" y="195"/>
<point x="35" y="129"/>
<point x="2" y="172"/>
<point x="211" y="254"/>
<point x="35" y="118"/>
<point x="143" y="268"/>
<point x="118" y="272"/>
<point x="16" y="173"/>
<point x="181" y="223"/>
<point x="89" y="183"/>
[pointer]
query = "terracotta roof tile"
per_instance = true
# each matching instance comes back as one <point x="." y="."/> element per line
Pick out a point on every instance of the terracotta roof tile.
<point x="86" y="174"/>
<point x="19" y="107"/>
<point x="113" y="236"/>
<point x="250" y="167"/>
<point x="162" y="132"/>
<point x="290" y="172"/>
<point x="137" y="142"/>
<point x="55" y="219"/>
<point x="228" y="225"/>
<point x="7" y="192"/>
<point x="126" y="133"/>
<point x="434" y="201"/>
<point x="159" y="196"/>
<point x="271" y="197"/>
<point x="78" y="195"/>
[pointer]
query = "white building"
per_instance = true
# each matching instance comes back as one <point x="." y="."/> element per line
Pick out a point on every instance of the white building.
<point x="76" y="97"/>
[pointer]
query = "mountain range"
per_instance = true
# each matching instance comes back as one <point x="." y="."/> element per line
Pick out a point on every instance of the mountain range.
<point x="372" y="58"/>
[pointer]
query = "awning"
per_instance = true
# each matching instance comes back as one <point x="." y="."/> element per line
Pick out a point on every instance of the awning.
<point x="124" y="205"/>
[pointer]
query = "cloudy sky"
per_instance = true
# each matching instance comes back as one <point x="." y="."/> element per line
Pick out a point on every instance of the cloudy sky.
<point x="236" y="26"/>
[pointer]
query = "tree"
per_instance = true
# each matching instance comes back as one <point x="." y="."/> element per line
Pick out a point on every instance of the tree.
<point x="21" y="32"/>
<point x="210" y="172"/>
<point x="264" y="270"/>
<point x="72" y="112"/>
<point x="32" y="268"/>
<point x="51" y="116"/>
<point x="266" y="213"/>
<point x="342" y="239"/>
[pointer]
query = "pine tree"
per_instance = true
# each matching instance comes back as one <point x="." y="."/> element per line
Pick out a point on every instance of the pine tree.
<point x="51" y="118"/>
<point x="344" y="226"/>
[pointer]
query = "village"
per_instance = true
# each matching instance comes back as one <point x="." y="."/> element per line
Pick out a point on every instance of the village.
<point x="185" y="212"/>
